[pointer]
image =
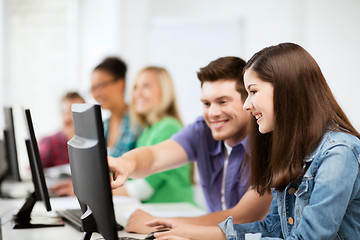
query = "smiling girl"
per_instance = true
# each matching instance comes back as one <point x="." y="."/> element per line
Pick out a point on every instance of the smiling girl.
<point x="154" y="106"/>
<point x="303" y="147"/>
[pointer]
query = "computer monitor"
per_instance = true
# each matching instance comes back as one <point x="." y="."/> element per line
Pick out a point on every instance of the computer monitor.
<point x="23" y="218"/>
<point x="12" y="172"/>
<point x="90" y="172"/>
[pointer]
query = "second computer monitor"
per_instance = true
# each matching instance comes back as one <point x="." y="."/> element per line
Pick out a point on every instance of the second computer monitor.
<point x="37" y="170"/>
<point x="23" y="218"/>
<point x="90" y="172"/>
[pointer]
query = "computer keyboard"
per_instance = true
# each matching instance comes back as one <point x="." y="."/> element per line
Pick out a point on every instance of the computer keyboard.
<point x="72" y="216"/>
<point x="128" y="238"/>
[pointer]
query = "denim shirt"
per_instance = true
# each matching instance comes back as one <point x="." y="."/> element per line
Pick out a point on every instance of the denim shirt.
<point x="325" y="206"/>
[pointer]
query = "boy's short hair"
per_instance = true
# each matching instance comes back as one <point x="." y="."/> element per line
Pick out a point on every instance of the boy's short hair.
<point x="225" y="68"/>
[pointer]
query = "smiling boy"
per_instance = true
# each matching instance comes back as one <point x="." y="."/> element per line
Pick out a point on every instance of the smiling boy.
<point x="216" y="142"/>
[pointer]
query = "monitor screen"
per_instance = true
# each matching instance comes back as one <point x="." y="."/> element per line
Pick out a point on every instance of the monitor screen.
<point x="23" y="218"/>
<point x="10" y="146"/>
<point x="90" y="172"/>
<point x="37" y="168"/>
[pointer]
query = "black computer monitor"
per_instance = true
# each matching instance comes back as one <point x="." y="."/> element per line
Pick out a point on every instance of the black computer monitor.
<point x="90" y="172"/>
<point x="12" y="172"/>
<point x="23" y="218"/>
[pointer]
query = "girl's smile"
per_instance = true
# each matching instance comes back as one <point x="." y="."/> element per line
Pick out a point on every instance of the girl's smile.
<point x="260" y="101"/>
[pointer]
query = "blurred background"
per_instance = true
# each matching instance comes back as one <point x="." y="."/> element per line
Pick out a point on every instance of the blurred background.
<point x="48" y="47"/>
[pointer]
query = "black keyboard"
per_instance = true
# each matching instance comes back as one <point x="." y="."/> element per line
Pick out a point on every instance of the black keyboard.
<point x="128" y="238"/>
<point x="72" y="216"/>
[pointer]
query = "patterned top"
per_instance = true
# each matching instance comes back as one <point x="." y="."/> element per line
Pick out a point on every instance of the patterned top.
<point x="127" y="139"/>
<point x="53" y="150"/>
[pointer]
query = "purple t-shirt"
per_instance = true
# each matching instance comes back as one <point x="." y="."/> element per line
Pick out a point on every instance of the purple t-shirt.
<point x="200" y="146"/>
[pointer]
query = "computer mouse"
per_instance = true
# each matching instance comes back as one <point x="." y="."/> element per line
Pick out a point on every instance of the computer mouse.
<point x="151" y="235"/>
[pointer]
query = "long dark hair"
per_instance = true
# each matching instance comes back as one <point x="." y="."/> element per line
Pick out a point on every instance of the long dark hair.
<point x="304" y="107"/>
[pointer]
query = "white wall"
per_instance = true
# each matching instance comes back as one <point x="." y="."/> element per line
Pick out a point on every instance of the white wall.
<point x="99" y="35"/>
<point x="333" y="39"/>
<point x="36" y="61"/>
<point x="54" y="45"/>
<point x="35" y="64"/>
<point x="329" y="30"/>
<point x="3" y="54"/>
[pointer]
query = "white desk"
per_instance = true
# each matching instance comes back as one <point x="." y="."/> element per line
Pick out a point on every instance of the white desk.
<point x="123" y="208"/>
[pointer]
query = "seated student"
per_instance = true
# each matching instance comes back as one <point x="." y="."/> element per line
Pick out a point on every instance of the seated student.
<point x="154" y="107"/>
<point x="303" y="148"/>
<point x="108" y="89"/>
<point x="216" y="141"/>
<point x="53" y="149"/>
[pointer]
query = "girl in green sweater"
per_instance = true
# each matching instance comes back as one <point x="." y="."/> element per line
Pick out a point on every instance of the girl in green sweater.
<point x="154" y="107"/>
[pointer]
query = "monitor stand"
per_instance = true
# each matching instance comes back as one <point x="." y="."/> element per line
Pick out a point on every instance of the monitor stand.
<point x="87" y="236"/>
<point x="23" y="220"/>
<point x="88" y="222"/>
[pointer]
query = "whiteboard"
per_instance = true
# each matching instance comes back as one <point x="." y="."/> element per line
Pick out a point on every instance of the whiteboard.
<point x="184" y="45"/>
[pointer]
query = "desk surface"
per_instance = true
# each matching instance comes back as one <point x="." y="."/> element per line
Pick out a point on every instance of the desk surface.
<point x="123" y="207"/>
